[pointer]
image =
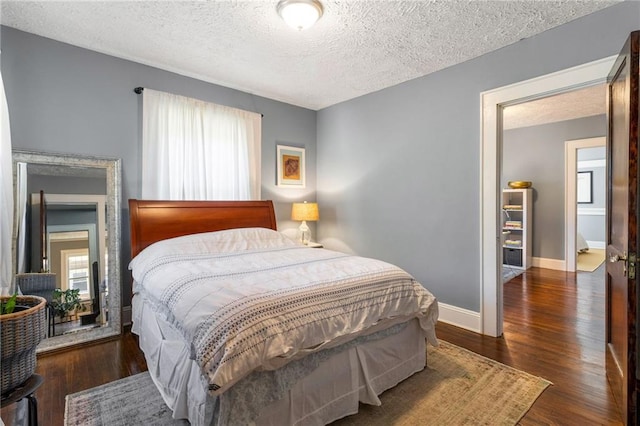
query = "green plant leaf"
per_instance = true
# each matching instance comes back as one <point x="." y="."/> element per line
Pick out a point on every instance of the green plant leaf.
<point x="9" y="305"/>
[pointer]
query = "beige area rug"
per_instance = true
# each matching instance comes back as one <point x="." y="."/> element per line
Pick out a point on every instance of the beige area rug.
<point x="590" y="260"/>
<point x="458" y="387"/>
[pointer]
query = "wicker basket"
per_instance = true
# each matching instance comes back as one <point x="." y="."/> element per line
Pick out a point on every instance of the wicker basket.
<point x="37" y="284"/>
<point x="21" y="332"/>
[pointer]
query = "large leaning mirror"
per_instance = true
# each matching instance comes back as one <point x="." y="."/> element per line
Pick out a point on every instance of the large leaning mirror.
<point x="66" y="245"/>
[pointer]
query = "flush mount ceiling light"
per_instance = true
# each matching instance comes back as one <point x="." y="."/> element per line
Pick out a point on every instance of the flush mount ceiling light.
<point x="300" y="14"/>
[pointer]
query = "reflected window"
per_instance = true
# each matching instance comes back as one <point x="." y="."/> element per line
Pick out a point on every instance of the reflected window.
<point x="75" y="266"/>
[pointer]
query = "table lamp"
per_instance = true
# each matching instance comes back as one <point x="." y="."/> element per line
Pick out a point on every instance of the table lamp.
<point x="304" y="212"/>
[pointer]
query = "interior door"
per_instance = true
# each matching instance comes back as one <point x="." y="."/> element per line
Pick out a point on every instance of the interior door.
<point x="622" y="229"/>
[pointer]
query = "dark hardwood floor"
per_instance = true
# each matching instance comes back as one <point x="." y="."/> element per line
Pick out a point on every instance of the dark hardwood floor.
<point x="554" y="328"/>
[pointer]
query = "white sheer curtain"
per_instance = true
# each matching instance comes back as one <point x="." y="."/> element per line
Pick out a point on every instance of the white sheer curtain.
<point x="6" y="195"/>
<point x="195" y="150"/>
<point x="21" y="217"/>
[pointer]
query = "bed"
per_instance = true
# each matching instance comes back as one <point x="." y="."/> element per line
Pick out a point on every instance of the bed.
<point x="241" y="325"/>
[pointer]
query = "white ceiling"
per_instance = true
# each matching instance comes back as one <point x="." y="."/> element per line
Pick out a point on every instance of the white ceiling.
<point x="356" y="48"/>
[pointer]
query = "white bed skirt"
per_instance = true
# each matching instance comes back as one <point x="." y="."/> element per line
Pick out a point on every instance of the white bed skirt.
<point x="333" y="390"/>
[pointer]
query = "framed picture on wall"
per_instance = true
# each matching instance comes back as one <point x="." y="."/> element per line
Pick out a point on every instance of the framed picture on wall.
<point x="585" y="187"/>
<point x="291" y="167"/>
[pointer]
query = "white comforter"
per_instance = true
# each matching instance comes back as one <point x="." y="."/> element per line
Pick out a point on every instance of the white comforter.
<point x="252" y="298"/>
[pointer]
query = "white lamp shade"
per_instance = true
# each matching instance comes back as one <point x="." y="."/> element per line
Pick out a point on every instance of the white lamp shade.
<point x="300" y="14"/>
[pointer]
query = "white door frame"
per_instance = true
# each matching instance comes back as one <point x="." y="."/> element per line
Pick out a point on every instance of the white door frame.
<point x="571" y="205"/>
<point x="491" y="105"/>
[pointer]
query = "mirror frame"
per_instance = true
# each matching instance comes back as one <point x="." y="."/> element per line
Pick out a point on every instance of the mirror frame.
<point x="113" y="223"/>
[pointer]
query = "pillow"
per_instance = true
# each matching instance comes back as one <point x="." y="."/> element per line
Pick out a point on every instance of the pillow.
<point x="228" y="241"/>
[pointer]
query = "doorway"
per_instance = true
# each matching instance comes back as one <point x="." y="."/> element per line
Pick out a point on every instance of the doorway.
<point x="621" y="75"/>
<point x="547" y="142"/>
<point x="493" y="103"/>
<point x="585" y="208"/>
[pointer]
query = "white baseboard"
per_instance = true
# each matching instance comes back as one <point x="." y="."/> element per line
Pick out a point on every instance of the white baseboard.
<point x="459" y="317"/>
<point x="597" y="244"/>
<point x="126" y="315"/>
<point x="591" y="211"/>
<point x="557" y="264"/>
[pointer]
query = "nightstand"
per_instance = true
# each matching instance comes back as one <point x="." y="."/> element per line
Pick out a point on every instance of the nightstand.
<point x="314" y="245"/>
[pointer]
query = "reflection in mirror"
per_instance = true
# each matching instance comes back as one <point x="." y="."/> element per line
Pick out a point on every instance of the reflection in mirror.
<point x="69" y="239"/>
<point x="67" y="244"/>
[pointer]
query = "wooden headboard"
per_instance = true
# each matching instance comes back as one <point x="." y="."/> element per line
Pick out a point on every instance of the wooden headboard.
<point x="153" y="221"/>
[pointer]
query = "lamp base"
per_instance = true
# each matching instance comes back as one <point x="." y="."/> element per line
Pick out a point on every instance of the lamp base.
<point x="304" y="233"/>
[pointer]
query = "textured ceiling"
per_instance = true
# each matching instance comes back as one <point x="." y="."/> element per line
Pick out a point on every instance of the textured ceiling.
<point x="579" y="103"/>
<point x="356" y="48"/>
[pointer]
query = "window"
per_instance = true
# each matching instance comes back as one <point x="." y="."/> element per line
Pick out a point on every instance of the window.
<point x="196" y="150"/>
<point x="75" y="271"/>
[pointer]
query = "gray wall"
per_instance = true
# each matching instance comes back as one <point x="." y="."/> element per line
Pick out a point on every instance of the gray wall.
<point x="398" y="170"/>
<point x="66" y="99"/>
<point x="536" y="154"/>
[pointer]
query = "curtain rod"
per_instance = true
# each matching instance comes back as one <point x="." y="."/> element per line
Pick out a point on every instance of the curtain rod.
<point x="138" y="90"/>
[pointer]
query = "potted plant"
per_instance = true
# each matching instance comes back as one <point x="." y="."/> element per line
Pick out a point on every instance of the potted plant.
<point x="8" y="306"/>
<point x="22" y="327"/>
<point x="66" y="301"/>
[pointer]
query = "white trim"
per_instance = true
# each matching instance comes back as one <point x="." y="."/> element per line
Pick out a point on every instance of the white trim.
<point x="570" y="198"/>
<point x="592" y="211"/>
<point x="597" y="244"/>
<point x="459" y="317"/>
<point x="592" y="164"/>
<point x="541" y="262"/>
<point x="491" y="104"/>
